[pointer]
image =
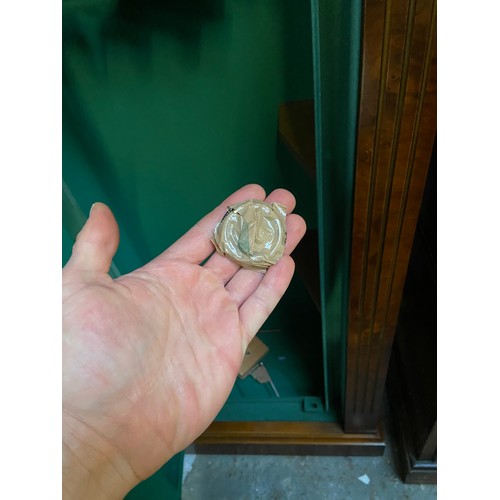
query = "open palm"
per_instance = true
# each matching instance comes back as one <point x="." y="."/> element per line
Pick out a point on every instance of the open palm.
<point x="149" y="358"/>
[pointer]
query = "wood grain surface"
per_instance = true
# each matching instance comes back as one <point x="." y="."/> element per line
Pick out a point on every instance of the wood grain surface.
<point x="396" y="132"/>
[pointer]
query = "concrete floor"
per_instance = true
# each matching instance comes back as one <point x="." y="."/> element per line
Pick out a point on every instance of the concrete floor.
<point x="239" y="477"/>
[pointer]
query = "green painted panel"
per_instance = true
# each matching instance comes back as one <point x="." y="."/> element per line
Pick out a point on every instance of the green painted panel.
<point x="174" y="104"/>
<point x="177" y="101"/>
<point x="336" y="48"/>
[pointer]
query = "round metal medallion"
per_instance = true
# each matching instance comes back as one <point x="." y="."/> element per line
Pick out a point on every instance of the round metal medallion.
<point x="252" y="233"/>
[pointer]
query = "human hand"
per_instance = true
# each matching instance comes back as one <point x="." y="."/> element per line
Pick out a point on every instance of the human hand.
<point x="149" y="358"/>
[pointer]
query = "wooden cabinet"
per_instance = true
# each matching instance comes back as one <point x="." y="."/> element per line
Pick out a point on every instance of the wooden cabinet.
<point x="412" y="378"/>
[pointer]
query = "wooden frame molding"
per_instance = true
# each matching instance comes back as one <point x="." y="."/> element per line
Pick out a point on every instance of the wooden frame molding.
<point x="396" y="133"/>
<point x="287" y="438"/>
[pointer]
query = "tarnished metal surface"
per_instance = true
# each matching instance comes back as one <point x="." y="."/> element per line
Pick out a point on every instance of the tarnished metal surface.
<point x="252" y="233"/>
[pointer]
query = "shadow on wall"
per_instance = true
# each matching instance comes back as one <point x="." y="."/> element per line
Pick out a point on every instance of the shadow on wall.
<point x="134" y="22"/>
<point x="92" y="33"/>
<point x="181" y="18"/>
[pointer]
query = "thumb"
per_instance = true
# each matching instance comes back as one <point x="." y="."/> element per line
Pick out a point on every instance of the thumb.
<point x="97" y="242"/>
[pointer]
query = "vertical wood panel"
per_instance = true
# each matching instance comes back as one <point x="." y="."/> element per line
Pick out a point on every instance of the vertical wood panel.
<point x="396" y="132"/>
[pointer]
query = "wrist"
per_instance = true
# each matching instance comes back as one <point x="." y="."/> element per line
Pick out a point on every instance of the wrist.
<point x="91" y="466"/>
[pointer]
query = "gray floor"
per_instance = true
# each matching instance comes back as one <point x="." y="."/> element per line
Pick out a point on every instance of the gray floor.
<point x="230" y="477"/>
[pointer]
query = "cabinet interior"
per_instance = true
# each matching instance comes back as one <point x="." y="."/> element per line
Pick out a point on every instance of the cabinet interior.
<point x="167" y="109"/>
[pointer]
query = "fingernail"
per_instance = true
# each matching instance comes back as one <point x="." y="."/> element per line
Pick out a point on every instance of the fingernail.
<point x="91" y="208"/>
